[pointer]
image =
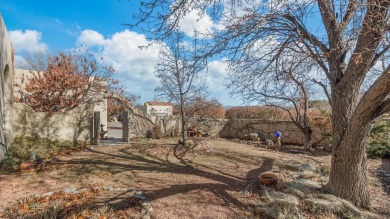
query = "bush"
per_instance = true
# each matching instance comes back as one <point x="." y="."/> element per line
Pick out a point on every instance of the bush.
<point x="155" y="133"/>
<point x="21" y="147"/>
<point x="379" y="140"/>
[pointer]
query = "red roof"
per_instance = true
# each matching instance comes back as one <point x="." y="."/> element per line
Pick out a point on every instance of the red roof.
<point x="157" y="103"/>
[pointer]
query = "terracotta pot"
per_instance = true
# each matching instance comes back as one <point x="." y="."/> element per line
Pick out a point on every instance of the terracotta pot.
<point x="32" y="166"/>
<point x="268" y="178"/>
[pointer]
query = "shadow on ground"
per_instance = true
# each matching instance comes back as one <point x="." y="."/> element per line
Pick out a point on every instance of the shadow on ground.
<point x="173" y="159"/>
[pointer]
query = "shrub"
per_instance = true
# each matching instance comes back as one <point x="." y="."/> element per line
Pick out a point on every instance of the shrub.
<point x="157" y="132"/>
<point x="379" y="140"/>
<point x="148" y="134"/>
<point x="154" y="133"/>
<point x="21" y="148"/>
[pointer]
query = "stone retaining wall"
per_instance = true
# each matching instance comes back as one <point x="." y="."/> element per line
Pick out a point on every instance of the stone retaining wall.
<point x="234" y="128"/>
<point x="140" y="124"/>
<point x="238" y="128"/>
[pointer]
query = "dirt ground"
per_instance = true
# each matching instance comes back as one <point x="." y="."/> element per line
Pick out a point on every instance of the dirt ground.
<point x="204" y="182"/>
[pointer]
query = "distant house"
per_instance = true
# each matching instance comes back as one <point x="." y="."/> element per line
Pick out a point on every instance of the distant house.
<point x="156" y="108"/>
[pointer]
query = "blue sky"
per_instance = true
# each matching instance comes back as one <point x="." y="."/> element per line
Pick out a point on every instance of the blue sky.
<point x="56" y="26"/>
<point x="60" y="22"/>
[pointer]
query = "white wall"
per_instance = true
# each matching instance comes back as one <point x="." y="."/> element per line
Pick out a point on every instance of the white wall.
<point x="159" y="110"/>
<point x="6" y="93"/>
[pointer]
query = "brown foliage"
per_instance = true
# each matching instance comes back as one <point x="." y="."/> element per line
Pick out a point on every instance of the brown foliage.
<point x="116" y="106"/>
<point x="70" y="79"/>
<point x="256" y="112"/>
<point x="318" y="118"/>
<point x="321" y="119"/>
<point x="204" y="108"/>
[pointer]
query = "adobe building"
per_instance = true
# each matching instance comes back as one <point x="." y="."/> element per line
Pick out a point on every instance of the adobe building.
<point x="6" y="91"/>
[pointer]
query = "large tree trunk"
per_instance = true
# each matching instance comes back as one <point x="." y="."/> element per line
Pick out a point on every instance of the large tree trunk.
<point x="307" y="138"/>
<point x="348" y="175"/>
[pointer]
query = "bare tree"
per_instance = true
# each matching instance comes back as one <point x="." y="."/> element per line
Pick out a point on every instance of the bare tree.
<point x="36" y="61"/>
<point x="202" y="112"/>
<point x="345" y="38"/>
<point x="283" y="86"/>
<point x="116" y="105"/>
<point x="180" y="74"/>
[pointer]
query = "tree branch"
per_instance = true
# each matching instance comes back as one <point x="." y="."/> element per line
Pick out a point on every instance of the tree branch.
<point x="351" y="10"/>
<point x="328" y="16"/>
<point x="301" y="30"/>
<point x="370" y="106"/>
<point x="378" y="55"/>
<point x="383" y="108"/>
<point x="324" y="87"/>
<point x="367" y="43"/>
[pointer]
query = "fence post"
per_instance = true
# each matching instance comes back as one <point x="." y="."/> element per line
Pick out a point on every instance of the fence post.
<point x="91" y="131"/>
<point x="94" y="128"/>
<point x="126" y="126"/>
<point x="96" y="124"/>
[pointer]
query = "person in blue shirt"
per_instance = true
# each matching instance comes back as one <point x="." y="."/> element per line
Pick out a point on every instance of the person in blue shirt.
<point x="278" y="136"/>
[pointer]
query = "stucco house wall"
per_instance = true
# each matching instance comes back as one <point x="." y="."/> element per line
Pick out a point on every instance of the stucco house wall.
<point x="72" y="125"/>
<point x="6" y="91"/>
<point x="99" y="102"/>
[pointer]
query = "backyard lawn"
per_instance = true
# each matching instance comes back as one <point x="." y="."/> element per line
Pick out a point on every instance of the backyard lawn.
<point x="213" y="178"/>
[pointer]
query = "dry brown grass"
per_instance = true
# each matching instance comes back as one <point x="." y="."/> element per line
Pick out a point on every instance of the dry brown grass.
<point x="204" y="180"/>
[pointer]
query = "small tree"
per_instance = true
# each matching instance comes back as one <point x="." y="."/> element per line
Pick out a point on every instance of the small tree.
<point x="37" y="61"/>
<point x="69" y="80"/>
<point x="282" y="86"/>
<point x="204" y="113"/>
<point x="116" y="106"/>
<point x="203" y="109"/>
<point x="179" y="71"/>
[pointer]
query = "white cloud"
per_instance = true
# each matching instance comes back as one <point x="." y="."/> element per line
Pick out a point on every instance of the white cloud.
<point x="28" y="40"/>
<point x="195" y="21"/>
<point x="90" y="37"/>
<point x="20" y="62"/>
<point x="133" y="64"/>
<point x="217" y="83"/>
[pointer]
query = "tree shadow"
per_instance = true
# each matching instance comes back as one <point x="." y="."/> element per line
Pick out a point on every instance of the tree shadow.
<point x="222" y="185"/>
<point x="384" y="176"/>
